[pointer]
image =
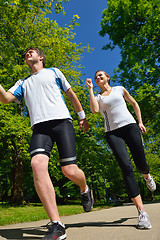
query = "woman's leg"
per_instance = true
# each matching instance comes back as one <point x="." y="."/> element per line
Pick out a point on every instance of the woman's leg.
<point x="118" y="147"/>
<point x="133" y="139"/>
<point x="138" y="203"/>
<point x="135" y="144"/>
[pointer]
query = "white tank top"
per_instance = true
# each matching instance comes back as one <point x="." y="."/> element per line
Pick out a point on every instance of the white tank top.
<point x="114" y="109"/>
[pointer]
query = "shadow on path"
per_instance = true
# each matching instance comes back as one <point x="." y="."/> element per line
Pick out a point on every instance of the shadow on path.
<point x="37" y="232"/>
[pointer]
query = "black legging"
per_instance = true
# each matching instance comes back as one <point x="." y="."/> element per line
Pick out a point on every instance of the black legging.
<point x="117" y="140"/>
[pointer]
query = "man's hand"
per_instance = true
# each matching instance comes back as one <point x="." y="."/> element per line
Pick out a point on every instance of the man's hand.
<point x="84" y="123"/>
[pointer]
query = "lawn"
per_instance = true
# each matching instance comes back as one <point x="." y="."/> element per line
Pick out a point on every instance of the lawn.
<point x="35" y="212"/>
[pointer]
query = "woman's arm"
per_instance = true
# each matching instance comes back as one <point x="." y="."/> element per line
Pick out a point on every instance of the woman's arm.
<point x="136" y="108"/>
<point x="93" y="102"/>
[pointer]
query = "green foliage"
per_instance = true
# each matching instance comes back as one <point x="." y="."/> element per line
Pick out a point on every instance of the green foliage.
<point x="134" y="26"/>
<point x="148" y="98"/>
<point x="14" y="147"/>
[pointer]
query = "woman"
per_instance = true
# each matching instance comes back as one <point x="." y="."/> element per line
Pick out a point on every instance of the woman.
<point x="121" y="128"/>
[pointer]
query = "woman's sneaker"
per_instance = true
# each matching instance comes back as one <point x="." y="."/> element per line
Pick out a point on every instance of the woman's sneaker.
<point x="143" y="221"/>
<point x="150" y="183"/>
<point x="87" y="201"/>
<point x="55" y="231"/>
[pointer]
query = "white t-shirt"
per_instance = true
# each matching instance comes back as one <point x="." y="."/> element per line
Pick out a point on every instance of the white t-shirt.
<point x="114" y="109"/>
<point x="42" y="94"/>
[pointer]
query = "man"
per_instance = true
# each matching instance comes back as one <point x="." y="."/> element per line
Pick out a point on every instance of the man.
<point x="51" y="122"/>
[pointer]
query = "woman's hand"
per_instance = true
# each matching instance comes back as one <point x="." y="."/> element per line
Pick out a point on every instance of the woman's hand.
<point x="94" y="106"/>
<point x="142" y="128"/>
<point x="89" y="83"/>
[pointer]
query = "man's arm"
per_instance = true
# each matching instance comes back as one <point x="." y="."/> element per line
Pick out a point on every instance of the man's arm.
<point x="6" y="97"/>
<point x="78" y="107"/>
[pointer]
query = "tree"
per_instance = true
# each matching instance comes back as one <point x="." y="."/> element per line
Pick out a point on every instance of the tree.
<point x="134" y="26"/>
<point x="14" y="137"/>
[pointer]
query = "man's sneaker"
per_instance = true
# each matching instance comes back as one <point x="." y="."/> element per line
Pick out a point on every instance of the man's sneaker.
<point x="143" y="220"/>
<point x="55" y="231"/>
<point x="150" y="183"/>
<point x="87" y="201"/>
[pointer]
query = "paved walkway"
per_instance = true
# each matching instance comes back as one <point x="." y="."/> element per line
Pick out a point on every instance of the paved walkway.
<point x="117" y="223"/>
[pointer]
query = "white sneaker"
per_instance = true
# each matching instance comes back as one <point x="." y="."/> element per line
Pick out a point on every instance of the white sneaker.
<point x="150" y="183"/>
<point x="143" y="220"/>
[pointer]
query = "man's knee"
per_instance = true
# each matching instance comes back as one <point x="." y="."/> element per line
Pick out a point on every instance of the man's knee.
<point x="70" y="170"/>
<point x="39" y="162"/>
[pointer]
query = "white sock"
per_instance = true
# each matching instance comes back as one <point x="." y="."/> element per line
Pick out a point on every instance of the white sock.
<point x="85" y="190"/>
<point x="54" y="221"/>
<point x="149" y="176"/>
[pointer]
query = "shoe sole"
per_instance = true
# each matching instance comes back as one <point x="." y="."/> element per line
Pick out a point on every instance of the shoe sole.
<point x="86" y="210"/>
<point x="140" y="227"/>
<point x="62" y="237"/>
<point x="152" y="190"/>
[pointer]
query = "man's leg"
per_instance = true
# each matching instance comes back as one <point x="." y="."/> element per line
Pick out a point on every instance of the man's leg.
<point x="66" y="144"/>
<point x="76" y="175"/>
<point x="43" y="185"/>
<point x="40" y="148"/>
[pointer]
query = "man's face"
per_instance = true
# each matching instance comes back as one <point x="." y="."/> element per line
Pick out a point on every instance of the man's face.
<point x="32" y="57"/>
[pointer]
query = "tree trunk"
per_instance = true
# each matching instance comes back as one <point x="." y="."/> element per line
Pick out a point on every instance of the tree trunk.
<point x="17" y="178"/>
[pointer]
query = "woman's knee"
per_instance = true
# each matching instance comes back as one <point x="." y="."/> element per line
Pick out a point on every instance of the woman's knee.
<point x="127" y="169"/>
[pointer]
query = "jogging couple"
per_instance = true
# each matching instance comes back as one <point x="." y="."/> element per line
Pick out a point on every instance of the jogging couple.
<point x="51" y="122"/>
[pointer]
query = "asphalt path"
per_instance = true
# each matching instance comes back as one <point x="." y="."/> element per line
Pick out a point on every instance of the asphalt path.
<point x="118" y="223"/>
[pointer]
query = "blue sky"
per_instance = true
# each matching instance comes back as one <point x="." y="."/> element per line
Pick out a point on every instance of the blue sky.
<point x="90" y="13"/>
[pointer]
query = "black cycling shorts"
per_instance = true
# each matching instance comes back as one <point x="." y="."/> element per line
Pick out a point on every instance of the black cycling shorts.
<point x="59" y="131"/>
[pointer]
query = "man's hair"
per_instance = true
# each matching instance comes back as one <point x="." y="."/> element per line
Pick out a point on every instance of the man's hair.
<point x="40" y="53"/>
<point x="104" y="73"/>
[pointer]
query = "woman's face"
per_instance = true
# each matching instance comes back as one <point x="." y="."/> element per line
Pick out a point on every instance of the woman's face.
<point x="101" y="78"/>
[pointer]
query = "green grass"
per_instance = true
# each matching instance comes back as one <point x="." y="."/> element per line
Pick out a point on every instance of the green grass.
<point x="35" y="212"/>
